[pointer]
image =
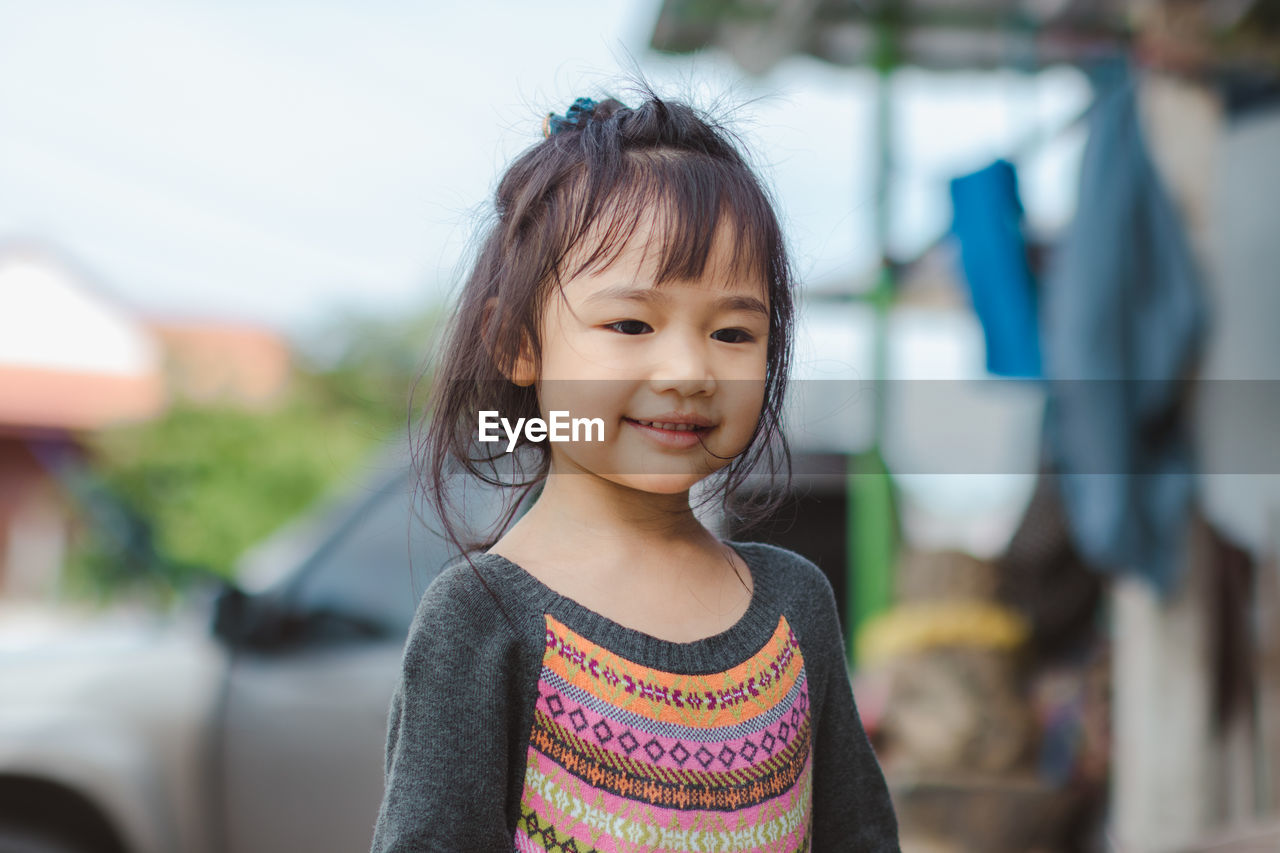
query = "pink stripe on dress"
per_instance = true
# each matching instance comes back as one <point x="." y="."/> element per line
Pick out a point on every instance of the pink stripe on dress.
<point x="741" y="752"/>
<point x="596" y="806"/>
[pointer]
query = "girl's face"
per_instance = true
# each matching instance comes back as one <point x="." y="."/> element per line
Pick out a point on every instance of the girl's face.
<point x="691" y="355"/>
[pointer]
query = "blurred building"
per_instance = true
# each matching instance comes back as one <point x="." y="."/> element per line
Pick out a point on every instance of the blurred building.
<point x="219" y="362"/>
<point x="74" y="360"/>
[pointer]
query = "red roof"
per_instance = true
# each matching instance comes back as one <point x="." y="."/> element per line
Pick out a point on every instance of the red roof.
<point x="61" y="399"/>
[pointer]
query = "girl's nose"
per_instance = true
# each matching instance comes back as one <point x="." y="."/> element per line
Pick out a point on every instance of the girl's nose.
<point x="683" y="366"/>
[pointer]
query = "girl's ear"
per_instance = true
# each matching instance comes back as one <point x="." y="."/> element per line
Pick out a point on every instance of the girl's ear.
<point x="524" y="371"/>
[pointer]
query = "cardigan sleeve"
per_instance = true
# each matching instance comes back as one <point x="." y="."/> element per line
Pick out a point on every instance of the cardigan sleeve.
<point x="451" y="731"/>
<point x="852" y="811"/>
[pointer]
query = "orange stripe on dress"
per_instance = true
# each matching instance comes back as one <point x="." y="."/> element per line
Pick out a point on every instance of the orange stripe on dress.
<point x="704" y="701"/>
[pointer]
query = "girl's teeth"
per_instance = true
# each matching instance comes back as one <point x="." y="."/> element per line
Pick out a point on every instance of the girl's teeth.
<point x="676" y="427"/>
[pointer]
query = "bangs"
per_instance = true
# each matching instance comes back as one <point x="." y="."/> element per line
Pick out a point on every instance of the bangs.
<point x="689" y="200"/>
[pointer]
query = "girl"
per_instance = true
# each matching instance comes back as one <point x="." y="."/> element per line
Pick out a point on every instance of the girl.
<point x="609" y="675"/>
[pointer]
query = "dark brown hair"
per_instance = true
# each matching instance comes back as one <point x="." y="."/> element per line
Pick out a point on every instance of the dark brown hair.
<point x="602" y="175"/>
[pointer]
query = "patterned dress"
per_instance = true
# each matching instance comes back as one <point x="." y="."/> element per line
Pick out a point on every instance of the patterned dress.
<point x="524" y="721"/>
<point x="624" y="757"/>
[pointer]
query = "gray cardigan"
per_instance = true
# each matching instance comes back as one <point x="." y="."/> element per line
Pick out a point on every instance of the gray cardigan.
<point x="473" y="680"/>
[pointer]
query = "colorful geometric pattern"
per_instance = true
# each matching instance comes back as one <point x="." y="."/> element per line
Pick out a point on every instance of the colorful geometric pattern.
<point x="625" y="758"/>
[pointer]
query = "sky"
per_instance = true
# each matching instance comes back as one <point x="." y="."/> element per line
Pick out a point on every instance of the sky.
<point x="276" y="162"/>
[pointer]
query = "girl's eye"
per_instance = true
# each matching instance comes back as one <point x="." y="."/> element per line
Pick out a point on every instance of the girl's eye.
<point x="734" y="336"/>
<point x="629" y="327"/>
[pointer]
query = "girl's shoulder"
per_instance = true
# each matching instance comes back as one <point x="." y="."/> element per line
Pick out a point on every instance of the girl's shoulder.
<point x="788" y="571"/>
<point x="465" y="601"/>
<point x="800" y="590"/>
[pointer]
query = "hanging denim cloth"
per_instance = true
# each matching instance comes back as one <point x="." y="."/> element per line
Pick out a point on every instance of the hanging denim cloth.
<point x="1123" y="318"/>
<point x="988" y="226"/>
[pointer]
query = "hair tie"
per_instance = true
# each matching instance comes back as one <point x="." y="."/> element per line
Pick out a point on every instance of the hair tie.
<point x="577" y="115"/>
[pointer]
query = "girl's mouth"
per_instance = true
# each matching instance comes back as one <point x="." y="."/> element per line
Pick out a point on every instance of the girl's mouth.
<point x="670" y="434"/>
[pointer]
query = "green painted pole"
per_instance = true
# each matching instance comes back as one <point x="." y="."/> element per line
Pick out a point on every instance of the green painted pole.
<point x="872" y="512"/>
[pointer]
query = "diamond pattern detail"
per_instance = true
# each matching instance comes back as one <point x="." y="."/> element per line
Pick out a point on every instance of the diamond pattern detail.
<point x="555" y="704"/>
<point x="654" y="750"/>
<point x="680" y="754"/>
<point x="602" y="732"/>
<point x="578" y="719"/>
<point x="628" y="742"/>
<point x="726" y="756"/>
<point x="704" y="757"/>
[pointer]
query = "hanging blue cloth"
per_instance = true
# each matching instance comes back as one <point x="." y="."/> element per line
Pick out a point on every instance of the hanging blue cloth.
<point x="987" y="224"/>
<point x="1123" y="320"/>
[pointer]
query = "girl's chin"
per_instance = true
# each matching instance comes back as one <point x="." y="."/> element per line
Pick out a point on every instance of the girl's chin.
<point x="660" y="484"/>
<point x="664" y="475"/>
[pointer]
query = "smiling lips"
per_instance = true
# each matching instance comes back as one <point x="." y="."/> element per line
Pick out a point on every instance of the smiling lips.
<point x="674" y="430"/>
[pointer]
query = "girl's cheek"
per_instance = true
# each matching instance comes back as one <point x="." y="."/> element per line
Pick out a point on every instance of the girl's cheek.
<point x="629" y="359"/>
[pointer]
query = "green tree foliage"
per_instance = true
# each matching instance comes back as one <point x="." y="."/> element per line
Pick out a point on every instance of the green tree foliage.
<point x="184" y="495"/>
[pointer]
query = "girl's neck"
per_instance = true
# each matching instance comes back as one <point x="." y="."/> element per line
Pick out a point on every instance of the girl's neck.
<point x="582" y="505"/>
<point x="603" y="529"/>
<point x="641" y="559"/>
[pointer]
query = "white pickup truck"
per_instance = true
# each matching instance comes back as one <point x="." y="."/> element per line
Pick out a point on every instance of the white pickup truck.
<point x="255" y="723"/>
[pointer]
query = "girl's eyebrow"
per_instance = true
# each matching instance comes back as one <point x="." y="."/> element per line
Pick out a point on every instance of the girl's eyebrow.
<point x="650" y="295"/>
